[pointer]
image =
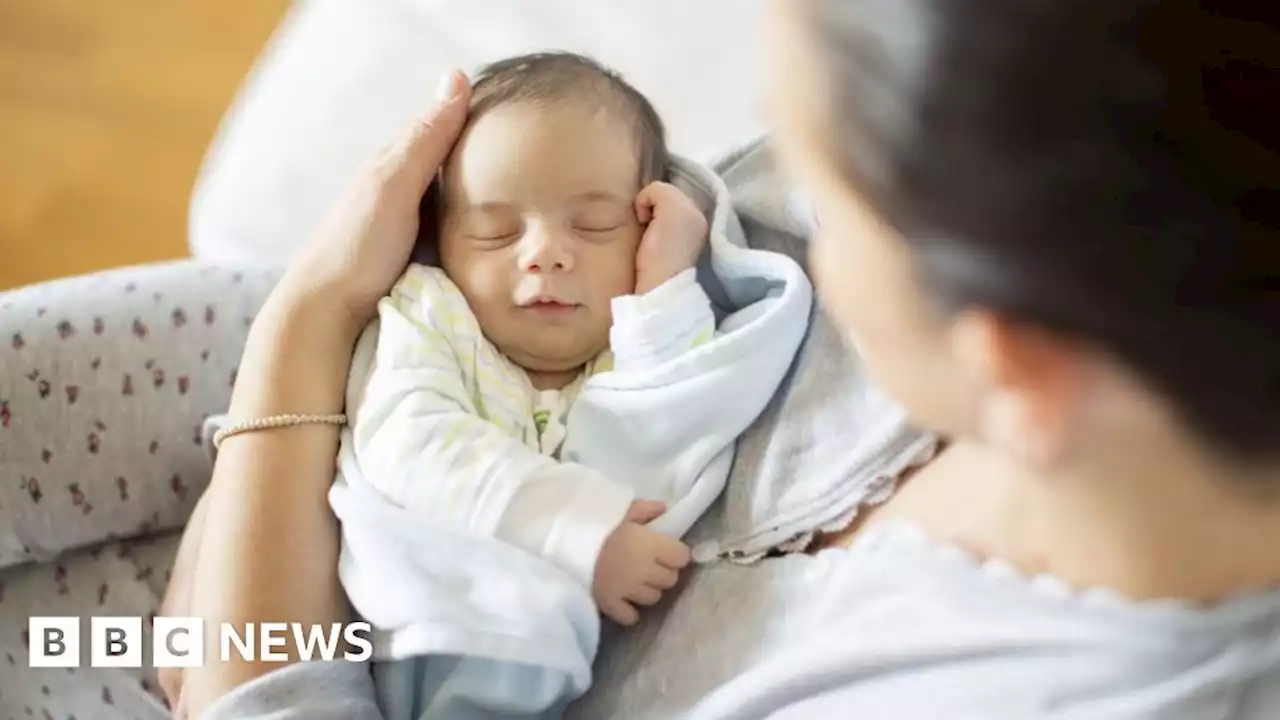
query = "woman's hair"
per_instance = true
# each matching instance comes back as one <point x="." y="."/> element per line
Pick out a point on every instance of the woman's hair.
<point x="1106" y="168"/>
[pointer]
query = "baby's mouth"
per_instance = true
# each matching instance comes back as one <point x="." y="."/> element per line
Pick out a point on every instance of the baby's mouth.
<point x="546" y="306"/>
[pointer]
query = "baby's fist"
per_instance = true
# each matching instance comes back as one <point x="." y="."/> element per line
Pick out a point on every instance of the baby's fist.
<point x="674" y="236"/>
<point x="636" y="565"/>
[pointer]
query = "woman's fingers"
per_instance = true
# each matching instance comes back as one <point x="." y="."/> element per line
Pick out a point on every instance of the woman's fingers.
<point x="367" y="238"/>
<point x="419" y="153"/>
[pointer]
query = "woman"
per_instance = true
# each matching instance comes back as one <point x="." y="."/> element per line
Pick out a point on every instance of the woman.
<point x="1050" y="230"/>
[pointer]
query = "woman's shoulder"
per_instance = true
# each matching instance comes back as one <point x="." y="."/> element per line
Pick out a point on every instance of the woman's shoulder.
<point x="904" y="625"/>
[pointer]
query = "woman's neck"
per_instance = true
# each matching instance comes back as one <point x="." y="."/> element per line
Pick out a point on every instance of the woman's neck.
<point x="1161" y="525"/>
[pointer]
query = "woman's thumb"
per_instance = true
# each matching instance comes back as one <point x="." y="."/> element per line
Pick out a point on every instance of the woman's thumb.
<point x="644" y="511"/>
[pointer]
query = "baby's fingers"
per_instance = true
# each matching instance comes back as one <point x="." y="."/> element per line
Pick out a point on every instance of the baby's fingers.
<point x="673" y="554"/>
<point x="653" y="195"/>
<point x="662" y="578"/>
<point x="620" y="611"/>
<point x="644" y="206"/>
<point x="645" y="511"/>
<point x="645" y="595"/>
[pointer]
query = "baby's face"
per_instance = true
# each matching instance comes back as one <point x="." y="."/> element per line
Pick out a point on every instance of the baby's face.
<point x="540" y="231"/>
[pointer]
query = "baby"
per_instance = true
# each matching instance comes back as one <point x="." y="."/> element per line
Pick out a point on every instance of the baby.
<point x="556" y="361"/>
<point x="562" y="254"/>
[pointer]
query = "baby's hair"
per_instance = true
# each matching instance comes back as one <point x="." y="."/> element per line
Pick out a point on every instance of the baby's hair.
<point x="553" y="77"/>
<point x="563" y="77"/>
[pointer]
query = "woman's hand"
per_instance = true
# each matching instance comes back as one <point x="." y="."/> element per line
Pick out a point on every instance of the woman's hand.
<point x="364" y="244"/>
<point x="269" y="489"/>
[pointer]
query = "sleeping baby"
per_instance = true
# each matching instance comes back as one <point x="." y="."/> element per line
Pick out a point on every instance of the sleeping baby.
<point x="554" y="222"/>
<point x="541" y="413"/>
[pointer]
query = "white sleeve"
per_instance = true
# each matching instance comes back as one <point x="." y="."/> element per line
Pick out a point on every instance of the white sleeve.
<point x="661" y="325"/>
<point x="418" y="438"/>
<point x="666" y="419"/>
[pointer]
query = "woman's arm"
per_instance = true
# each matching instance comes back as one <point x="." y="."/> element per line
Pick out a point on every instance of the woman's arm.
<point x="177" y="597"/>
<point x="269" y="548"/>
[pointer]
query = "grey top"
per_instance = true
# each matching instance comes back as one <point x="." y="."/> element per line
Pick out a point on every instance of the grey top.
<point x="896" y="626"/>
<point x="892" y="627"/>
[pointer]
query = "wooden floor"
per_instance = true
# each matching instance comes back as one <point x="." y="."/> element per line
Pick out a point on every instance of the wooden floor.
<point x="106" y="109"/>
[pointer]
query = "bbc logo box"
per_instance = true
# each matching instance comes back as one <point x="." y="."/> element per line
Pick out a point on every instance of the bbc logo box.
<point x="56" y="642"/>
<point x="61" y="642"/>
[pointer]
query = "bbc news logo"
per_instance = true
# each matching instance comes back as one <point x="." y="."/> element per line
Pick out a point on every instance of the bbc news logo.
<point x="55" y="642"/>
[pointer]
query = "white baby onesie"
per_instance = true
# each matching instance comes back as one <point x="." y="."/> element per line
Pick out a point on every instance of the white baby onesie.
<point x="450" y="428"/>
<point x="466" y="542"/>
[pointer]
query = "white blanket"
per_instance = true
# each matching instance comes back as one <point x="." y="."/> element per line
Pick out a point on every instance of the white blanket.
<point x="495" y="629"/>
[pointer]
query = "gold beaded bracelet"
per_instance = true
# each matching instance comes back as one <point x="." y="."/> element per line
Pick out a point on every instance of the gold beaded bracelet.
<point x="275" y="421"/>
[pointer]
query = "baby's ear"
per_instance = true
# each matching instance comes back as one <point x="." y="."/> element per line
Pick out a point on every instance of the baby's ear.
<point x="426" y="249"/>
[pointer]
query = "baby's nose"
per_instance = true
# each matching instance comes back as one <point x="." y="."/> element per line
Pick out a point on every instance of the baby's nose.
<point x="545" y="251"/>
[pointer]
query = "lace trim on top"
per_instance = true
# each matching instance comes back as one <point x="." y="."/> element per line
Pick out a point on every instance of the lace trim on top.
<point x="876" y="492"/>
<point x="901" y="535"/>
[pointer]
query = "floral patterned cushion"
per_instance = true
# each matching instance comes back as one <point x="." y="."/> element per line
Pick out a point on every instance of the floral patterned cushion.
<point x="105" y="384"/>
<point x="126" y="578"/>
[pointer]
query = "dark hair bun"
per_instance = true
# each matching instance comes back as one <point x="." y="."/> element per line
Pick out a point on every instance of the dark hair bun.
<point x="1108" y="168"/>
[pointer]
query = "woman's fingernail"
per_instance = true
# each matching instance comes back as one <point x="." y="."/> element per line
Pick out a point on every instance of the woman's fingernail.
<point x="448" y="88"/>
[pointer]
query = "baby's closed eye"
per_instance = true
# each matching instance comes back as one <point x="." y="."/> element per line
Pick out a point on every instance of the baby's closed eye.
<point x="493" y="235"/>
<point x="491" y="227"/>
<point x="601" y="220"/>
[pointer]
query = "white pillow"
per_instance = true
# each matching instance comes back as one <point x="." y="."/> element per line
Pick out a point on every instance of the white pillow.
<point x="342" y="77"/>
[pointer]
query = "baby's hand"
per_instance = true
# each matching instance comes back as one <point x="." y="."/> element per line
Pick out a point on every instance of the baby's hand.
<point x="636" y="565"/>
<point x="674" y="238"/>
